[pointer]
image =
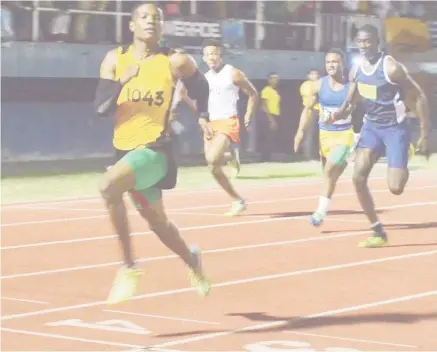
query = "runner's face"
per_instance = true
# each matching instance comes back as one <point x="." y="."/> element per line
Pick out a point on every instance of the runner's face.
<point x="146" y="23"/>
<point x="212" y="56"/>
<point x="367" y="44"/>
<point x="333" y="64"/>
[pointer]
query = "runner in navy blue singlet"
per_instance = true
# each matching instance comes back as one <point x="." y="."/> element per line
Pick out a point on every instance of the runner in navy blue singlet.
<point x="381" y="83"/>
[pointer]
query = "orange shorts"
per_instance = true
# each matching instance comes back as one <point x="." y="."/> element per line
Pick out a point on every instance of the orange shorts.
<point x="230" y="127"/>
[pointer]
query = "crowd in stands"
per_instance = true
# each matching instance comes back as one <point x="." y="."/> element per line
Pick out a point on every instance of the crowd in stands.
<point x="61" y="24"/>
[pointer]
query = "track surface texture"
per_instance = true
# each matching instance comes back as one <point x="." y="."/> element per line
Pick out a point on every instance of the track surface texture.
<point x="279" y="284"/>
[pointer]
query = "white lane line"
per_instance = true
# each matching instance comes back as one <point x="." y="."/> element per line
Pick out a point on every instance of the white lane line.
<point x="190" y="228"/>
<point x="349" y="339"/>
<point x="178" y="191"/>
<point x="201" y="227"/>
<point x="134" y="212"/>
<point x="24" y="300"/>
<point x="227" y="283"/>
<point x="45" y="207"/>
<point x="173" y="256"/>
<point x="63" y="337"/>
<point x="283" y="322"/>
<point x="417" y="174"/>
<point x="161" y="317"/>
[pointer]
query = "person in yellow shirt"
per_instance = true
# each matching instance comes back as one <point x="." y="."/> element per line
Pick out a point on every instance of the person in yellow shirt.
<point x="310" y="143"/>
<point x="136" y="86"/>
<point x="271" y="106"/>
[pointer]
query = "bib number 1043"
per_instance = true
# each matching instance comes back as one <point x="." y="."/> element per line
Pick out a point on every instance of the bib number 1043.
<point x="151" y="98"/>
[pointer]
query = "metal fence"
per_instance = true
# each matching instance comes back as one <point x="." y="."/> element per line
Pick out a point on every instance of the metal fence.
<point x="243" y="33"/>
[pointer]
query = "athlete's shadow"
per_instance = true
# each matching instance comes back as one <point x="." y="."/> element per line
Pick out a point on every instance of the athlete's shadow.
<point x="288" y="214"/>
<point x="277" y="176"/>
<point x="295" y="323"/>
<point x="394" y="226"/>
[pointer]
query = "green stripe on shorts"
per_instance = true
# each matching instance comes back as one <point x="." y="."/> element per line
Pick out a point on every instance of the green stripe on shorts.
<point x="149" y="167"/>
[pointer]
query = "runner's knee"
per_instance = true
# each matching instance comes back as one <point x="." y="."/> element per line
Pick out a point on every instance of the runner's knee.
<point x="215" y="169"/>
<point x="212" y="158"/>
<point x="159" y="224"/>
<point x="397" y="182"/>
<point x="109" y="192"/>
<point x="396" y="189"/>
<point x="359" y="180"/>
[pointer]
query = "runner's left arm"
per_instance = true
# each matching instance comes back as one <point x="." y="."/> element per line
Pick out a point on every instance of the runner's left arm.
<point x="399" y="75"/>
<point x="241" y="81"/>
<point x="184" y="67"/>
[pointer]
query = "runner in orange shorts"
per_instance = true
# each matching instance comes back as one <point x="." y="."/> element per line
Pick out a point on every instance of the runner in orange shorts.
<point x="225" y="82"/>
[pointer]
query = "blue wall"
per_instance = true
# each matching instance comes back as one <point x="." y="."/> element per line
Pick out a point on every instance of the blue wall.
<point x="83" y="61"/>
<point x="53" y="118"/>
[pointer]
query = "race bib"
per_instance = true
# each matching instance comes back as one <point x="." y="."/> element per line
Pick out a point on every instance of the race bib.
<point x="326" y="113"/>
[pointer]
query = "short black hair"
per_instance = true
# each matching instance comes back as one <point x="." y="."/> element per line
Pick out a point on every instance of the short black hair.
<point x="313" y="70"/>
<point x="337" y="51"/>
<point x="135" y="8"/>
<point x="212" y="42"/>
<point x="372" y="30"/>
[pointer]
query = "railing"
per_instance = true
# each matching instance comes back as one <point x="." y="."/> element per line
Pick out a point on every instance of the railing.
<point x="432" y="26"/>
<point x="257" y="33"/>
<point x="338" y="30"/>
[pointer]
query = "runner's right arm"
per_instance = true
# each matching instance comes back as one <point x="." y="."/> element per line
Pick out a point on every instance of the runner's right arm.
<point x="108" y="88"/>
<point x="352" y="97"/>
<point x="309" y="102"/>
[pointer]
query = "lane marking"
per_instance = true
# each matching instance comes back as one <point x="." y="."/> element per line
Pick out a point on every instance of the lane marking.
<point x="182" y="191"/>
<point x="63" y="337"/>
<point x="227" y="283"/>
<point x="283" y="322"/>
<point x="349" y="339"/>
<point x="174" y="256"/>
<point x="201" y="227"/>
<point x="106" y="325"/>
<point x="177" y="192"/>
<point x="418" y="174"/>
<point x="24" y="300"/>
<point x="161" y="317"/>
<point x="134" y="212"/>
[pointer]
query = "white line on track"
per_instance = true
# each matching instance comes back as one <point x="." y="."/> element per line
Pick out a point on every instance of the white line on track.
<point x="134" y="212"/>
<point x="348" y="339"/>
<point x="418" y="174"/>
<point x="162" y="317"/>
<point x="181" y="191"/>
<point x="195" y="228"/>
<point x="173" y="256"/>
<point x="63" y="337"/>
<point x="227" y="283"/>
<point x="24" y="300"/>
<point x="283" y="322"/>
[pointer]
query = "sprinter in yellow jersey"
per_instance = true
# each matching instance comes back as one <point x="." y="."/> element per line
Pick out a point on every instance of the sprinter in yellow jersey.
<point x="136" y="86"/>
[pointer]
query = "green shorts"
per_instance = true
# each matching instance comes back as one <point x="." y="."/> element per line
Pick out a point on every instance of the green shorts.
<point x="149" y="167"/>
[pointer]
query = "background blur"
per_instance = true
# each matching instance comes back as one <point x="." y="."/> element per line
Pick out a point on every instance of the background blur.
<point x="52" y="50"/>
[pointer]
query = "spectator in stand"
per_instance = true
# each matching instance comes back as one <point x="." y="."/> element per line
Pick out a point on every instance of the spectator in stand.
<point x="311" y="140"/>
<point x="82" y="21"/>
<point x="270" y="122"/>
<point x="61" y="21"/>
<point x="99" y="27"/>
<point x="7" y="32"/>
